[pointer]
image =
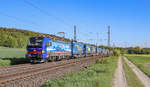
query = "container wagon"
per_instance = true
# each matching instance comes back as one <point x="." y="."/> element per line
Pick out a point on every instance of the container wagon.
<point x="78" y="50"/>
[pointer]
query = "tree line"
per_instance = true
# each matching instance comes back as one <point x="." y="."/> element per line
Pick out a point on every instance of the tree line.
<point x="138" y="50"/>
<point x="129" y="50"/>
<point x="18" y="38"/>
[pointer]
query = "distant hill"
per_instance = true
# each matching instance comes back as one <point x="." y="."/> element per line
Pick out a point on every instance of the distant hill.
<point x="17" y="38"/>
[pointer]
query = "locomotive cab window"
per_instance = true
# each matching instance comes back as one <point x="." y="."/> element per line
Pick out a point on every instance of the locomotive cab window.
<point x="35" y="42"/>
<point x="48" y="44"/>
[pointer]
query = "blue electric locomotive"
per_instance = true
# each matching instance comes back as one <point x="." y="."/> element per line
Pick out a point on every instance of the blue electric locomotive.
<point x="41" y="49"/>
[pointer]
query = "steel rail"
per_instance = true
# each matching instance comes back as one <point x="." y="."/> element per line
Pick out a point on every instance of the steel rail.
<point x="29" y="73"/>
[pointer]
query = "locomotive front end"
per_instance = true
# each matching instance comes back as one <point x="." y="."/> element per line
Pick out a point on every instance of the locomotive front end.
<point x="35" y="52"/>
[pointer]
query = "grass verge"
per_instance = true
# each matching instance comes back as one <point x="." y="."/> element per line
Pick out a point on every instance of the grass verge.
<point x="99" y="74"/>
<point x="131" y="77"/>
<point x="5" y="62"/>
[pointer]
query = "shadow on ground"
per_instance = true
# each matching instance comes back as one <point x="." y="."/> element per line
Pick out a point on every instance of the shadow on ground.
<point x="14" y="61"/>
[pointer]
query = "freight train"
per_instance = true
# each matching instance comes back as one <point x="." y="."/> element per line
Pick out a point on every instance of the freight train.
<point x="43" y="49"/>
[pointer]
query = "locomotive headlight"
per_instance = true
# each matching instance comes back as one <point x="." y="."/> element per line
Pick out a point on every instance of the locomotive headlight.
<point x="43" y="51"/>
<point x="28" y="56"/>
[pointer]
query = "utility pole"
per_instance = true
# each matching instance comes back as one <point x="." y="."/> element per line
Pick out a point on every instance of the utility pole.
<point x="75" y="37"/>
<point x="108" y="35"/>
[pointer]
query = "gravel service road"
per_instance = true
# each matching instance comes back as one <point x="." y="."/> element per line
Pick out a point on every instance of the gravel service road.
<point x="119" y="78"/>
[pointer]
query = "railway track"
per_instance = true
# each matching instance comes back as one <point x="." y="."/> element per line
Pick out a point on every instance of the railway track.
<point x="4" y="70"/>
<point x="18" y="68"/>
<point x="40" y="69"/>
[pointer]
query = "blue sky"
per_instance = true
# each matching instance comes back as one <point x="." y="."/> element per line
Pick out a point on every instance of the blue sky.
<point x="129" y="19"/>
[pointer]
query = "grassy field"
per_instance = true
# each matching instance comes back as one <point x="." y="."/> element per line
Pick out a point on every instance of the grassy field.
<point x="11" y="56"/>
<point x="12" y="52"/>
<point x="131" y="77"/>
<point x="140" y="61"/>
<point x="97" y="75"/>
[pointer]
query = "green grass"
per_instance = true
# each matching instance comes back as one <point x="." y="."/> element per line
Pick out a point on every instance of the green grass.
<point x="131" y="77"/>
<point x="12" y="52"/>
<point x="12" y="56"/>
<point x="5" y="62"/>
<point x="97" y="75"/>
<point x="138" y="60"/>
<point x="143" y="55"/>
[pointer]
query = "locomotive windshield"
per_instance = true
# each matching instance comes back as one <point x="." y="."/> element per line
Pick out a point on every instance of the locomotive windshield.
<point x="35" y="42"/>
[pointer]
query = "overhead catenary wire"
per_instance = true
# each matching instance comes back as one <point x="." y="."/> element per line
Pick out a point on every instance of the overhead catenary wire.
<point x="46" y="13"/>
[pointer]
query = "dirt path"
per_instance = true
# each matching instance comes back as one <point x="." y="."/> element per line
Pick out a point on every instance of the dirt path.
<point x="119" y="78"/>
<point x="144" y="79"/>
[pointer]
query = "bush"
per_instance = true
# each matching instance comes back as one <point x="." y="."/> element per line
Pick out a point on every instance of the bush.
<point x="116" y="53"/>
